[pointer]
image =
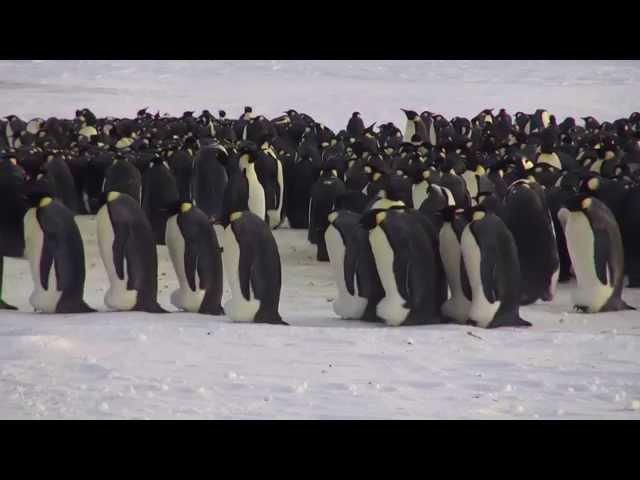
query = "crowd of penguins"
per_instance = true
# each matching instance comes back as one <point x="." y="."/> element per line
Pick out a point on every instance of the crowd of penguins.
<point x="447" y="220"/>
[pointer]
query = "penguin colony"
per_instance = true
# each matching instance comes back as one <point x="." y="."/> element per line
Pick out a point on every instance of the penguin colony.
<point x="446" y="221"/>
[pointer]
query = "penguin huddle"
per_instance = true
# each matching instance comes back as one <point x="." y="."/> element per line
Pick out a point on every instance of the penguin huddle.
<point x="465" y="220"/>
<point x="449" y="220"/>
<point x="150" y="181"/>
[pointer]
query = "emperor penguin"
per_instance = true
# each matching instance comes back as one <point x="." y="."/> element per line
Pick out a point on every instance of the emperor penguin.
<point x="597" y="255"/>
<point x="244" y="183"/>
<point x="414" y="126"/>
<point x="14" y="205"/>
<point x="128" y="251"/>
<point x="251" y="264"/>
<point x="341" y="237"/>
<point x="530" y="222"/>
<point x="458" y="305"/>
<point x="54" y="249"/>
<point x="406" y="264"/>
<point x="196" y="258"/>
<point x="491" y="260"/>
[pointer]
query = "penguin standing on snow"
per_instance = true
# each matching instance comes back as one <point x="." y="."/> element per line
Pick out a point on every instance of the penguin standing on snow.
<point x="457" y="307"/>
<point x="406" y="264"/>
<point x="490" y="258"/>
<point x="195" y="255"/>
<point x="159" y="192"/>
<point x="529" y="221"/>
<point x="210" y="180"/>
<point x="55" y="251"/>
<point x="252" y="265"/>
<point x="244" y="184"/>
<point x="13" y="206"/>
<point x="597" y="255"/>
<point x="323" y="197"/>
<point x="128" y="251"/>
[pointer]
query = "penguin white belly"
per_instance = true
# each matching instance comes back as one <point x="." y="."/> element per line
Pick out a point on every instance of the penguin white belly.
<point x="275" y="216"/>
<point x="409" y="131"/>
<point x="183" y="298"/>
<point x="471" y="182"/>
<point x="118" y="297"/>
<point x="237" y="308"/>
<point x="41" y="300"/>
<point x="554" y="277"/>
<point x="391" y="308"/>
<point x="419" y="193"/>
<point x="346" y="305"/>
<point x="482" y="310"/>
<point x="257" y="202"/>
<point x="456" y="307"/>
<point x="590" y="292"/>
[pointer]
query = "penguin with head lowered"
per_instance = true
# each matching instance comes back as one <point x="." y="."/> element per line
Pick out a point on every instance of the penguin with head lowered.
<point x="128" y="251"/>
<point x="406" y="264"/>
<point x="597" y="255"/>
<point x="251" y="263"/>
<point x="159" y="193"/>
<point x="195" y="255"/>
<point x="491" y="261"/>
<point x="54" y="249"/>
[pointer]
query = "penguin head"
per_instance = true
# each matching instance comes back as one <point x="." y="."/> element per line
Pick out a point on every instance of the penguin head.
<point x="411" y="115"/>
<point x="372" y="218"/>
<point x="476" y="213"/>
<point x="451" y="212"/>
<point x="579" y="203"/>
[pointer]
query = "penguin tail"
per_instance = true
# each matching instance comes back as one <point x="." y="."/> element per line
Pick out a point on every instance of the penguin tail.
<point x="151" y="307"/>
<point x="5" y="306"/>
<point x="515" y="321"/>
<point x="71" y="306"/>
<point x="267" y="317"/>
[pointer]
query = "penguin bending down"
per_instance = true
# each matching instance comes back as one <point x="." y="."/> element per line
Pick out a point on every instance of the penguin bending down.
<point x="340" y="236"/>
<point x="457" y="307"/>
<point x="159" y="193"/>
<point x="530" y="223"/>
<point x="195" y="255"/>
<point x="54" y="248"/>
<point x="252" y="266"/>
<point x="406" y="265"/>
<point x="597" y="256"/>
<point x="490" y="258"/>
<point x="128" y="251"/>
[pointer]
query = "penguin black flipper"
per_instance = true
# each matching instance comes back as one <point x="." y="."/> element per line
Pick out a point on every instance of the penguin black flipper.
<point x="46" y="261"/>
<point x="350" y="266"/>
<point x="464" y="280"/>
<point x="488" y="274"/>
<point x="244" y="270"/>
<point x="268" y="312"/>
<point x="601" y="247"/>
<point x="121" y="234"/>
<point x="191" y="265"/>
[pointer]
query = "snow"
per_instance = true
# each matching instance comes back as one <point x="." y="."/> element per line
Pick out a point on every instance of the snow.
<point x="140" y="366"/>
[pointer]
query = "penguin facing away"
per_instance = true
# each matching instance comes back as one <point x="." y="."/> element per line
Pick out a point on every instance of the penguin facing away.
<point x="195" y="255"/>
<point x="252" y="266"/>
<point x="128" y="251"/>
<point x="597" y="255"/>
<point x="490" y="258"/>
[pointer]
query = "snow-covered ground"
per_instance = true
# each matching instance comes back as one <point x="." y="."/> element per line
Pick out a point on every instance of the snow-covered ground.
<point x="120" y="365"/>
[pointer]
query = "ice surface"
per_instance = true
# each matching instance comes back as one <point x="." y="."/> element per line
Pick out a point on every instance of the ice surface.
<point x="120" y="365"/>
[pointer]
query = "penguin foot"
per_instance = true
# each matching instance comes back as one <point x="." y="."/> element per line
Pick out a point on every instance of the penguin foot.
<point x="581" y="309"/>
<point x="5" y="306"/>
